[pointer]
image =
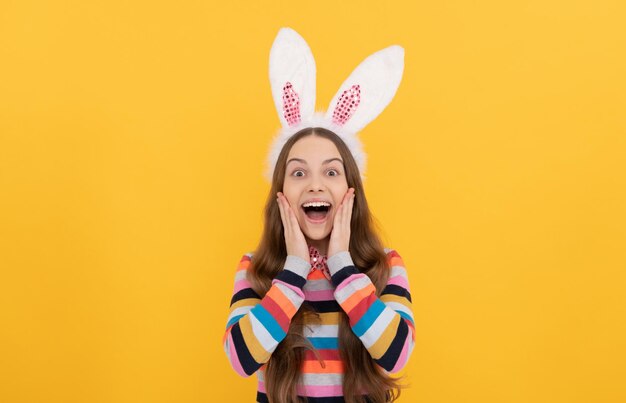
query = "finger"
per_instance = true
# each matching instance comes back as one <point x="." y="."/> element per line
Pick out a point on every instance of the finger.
<point x="338" y="214"/>
<point x="281" y="208"/>
<point x="343" y="207"/>
<point x="349" y="209"/>
<point x="346" y="214"/>
<point x="345" y="197"/>
<point x="284" y="198"/>
<point x="291" y="222"/>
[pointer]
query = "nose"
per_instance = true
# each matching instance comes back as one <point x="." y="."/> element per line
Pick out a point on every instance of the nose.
<point x="316" y="184"/>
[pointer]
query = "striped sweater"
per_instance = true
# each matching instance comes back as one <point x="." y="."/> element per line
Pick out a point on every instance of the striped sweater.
<point x="257" y="325"/>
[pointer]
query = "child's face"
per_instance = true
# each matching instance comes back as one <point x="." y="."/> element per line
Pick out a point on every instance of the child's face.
<point x="315" y="173"/>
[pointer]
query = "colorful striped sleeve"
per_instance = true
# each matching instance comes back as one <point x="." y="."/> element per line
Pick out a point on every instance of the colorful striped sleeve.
<point x="384" y="324"/>
<point x="256" y="325"/>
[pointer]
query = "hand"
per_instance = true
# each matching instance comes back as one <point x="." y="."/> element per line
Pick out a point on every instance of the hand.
<point x="340" y="235"/>
<point x="294" y="238"/>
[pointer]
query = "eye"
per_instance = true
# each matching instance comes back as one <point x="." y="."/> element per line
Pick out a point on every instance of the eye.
<point x="332" y="172"/>
<point x="298" y="172"/>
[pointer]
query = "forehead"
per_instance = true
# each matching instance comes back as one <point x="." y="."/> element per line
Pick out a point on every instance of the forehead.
<point x="314" y="148"/>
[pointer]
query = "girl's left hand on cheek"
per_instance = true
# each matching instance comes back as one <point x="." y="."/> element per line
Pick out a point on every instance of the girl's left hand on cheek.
<point x="340" y="235"/>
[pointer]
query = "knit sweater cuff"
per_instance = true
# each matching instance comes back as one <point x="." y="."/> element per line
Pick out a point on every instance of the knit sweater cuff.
<point x="298" y="265"/>
<point x="338" y="261"/>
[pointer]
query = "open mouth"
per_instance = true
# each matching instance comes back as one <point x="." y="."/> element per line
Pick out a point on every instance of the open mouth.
<point x="317" y="210"/>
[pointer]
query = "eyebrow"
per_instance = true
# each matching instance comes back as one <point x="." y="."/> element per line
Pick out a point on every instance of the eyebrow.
<point x="328" y="161"/>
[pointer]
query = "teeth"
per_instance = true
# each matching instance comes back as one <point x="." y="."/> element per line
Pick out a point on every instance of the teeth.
<point x="316" y="204"/>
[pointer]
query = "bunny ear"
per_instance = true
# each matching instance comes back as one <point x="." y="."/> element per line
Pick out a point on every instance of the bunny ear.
<point x="292" y="77"/>
<point x="368" y="90"/>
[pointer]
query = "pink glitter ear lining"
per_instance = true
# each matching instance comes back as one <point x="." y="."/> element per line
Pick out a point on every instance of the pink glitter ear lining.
<point x="347" y="104"/>
<point x="291" y="105"/>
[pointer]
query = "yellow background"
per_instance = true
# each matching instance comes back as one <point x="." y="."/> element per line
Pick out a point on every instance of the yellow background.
<point x="133" y="136"/>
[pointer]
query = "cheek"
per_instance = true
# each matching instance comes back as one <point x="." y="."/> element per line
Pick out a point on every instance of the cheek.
<point x="291" y="194"/>
<point x="339" y="193"/>
<point x="295" y="208"/>
<point x="293" y="202"/>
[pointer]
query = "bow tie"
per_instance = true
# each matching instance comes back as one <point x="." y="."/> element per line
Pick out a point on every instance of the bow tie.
<point x="318" y="262"/>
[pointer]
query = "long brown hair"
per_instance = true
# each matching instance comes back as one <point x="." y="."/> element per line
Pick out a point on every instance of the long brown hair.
<point x="361" y="373"/>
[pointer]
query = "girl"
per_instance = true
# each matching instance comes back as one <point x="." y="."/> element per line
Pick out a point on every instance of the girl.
<point x="321" y="311"/>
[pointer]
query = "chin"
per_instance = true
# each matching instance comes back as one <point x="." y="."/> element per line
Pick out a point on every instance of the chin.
<point x="317" y="235"/>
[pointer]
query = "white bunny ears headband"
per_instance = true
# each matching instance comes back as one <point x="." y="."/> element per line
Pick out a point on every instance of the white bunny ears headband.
<point x="360" y="99"/>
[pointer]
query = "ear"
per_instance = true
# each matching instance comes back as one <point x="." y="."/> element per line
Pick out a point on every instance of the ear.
<point x="292" y="77"/>
<point x="368" y="90"/>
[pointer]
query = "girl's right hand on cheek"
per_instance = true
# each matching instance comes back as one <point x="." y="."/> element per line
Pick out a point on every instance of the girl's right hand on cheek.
<point x="294" y="238"/>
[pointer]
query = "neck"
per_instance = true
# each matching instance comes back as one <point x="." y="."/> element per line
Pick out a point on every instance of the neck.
<point x="320" y="244"/>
